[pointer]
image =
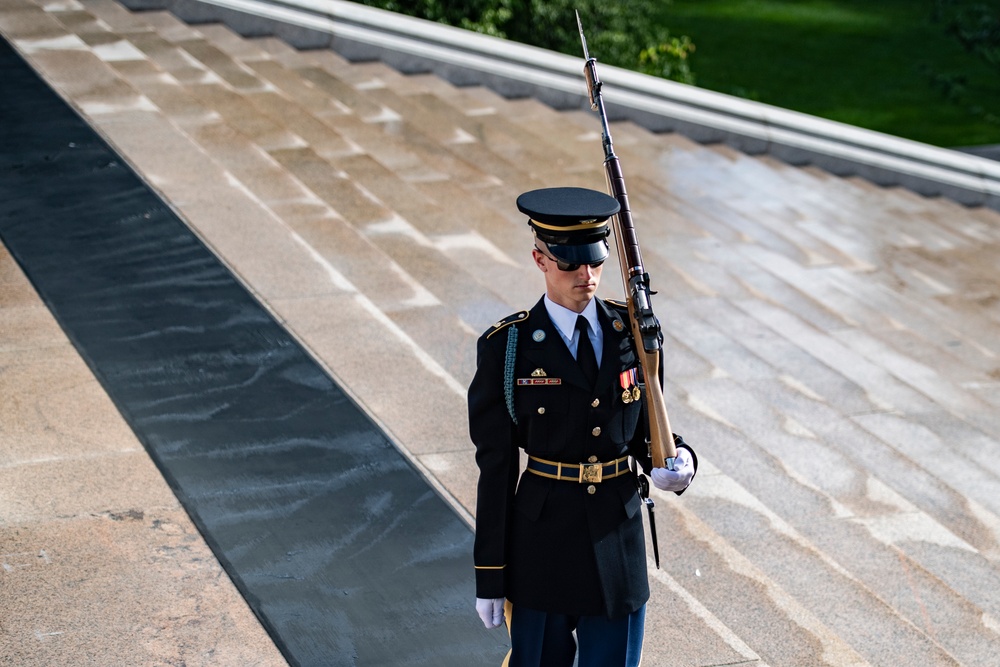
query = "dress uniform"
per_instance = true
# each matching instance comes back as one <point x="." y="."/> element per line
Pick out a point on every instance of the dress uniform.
<point x="563" y="542"/>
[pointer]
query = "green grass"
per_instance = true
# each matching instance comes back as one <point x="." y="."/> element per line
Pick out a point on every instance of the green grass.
<point x="870" y="63"/>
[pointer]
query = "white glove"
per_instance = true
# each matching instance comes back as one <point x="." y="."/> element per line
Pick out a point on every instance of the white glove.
<point x="490" y="611"/>
<point x="678" y="478"/>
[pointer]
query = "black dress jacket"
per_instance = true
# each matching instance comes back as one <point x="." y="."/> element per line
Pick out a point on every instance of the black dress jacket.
<point x="554" y="545"/>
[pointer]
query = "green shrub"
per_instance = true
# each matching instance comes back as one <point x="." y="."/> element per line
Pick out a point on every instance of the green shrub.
<point x="976" y="26"/>
<point x="626" y="33"/>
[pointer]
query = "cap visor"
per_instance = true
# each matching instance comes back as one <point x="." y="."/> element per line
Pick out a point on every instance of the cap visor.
<point x="587" y="253"/>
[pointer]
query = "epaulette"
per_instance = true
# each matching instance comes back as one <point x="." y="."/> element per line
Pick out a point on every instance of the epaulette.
<point x="620" y="315"/>
<point x="615" y="304"/>
<point x="506" y="322"/>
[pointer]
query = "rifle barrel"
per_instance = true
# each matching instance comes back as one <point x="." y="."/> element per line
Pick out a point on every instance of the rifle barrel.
<point x="644" y="324"/>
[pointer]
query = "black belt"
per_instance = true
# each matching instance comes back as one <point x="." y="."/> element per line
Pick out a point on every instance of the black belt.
<point x="584" y="473"/>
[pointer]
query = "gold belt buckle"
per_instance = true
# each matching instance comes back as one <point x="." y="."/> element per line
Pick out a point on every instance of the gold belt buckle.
<point x="591" y="473"/>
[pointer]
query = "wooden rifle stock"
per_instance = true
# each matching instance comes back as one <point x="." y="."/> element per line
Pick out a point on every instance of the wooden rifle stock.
<point x="644" y="324"/>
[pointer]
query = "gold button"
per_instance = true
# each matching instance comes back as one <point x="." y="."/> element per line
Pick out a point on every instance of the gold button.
<point x="596" y="431"/>
<point x="541" y="411"/>
<point x="596" y="402"/>
<point x="591" y="489"/>
<point x="592" y="459"/>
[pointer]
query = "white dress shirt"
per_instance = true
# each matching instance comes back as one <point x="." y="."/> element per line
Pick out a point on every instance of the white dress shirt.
<point x="565" y="321"/>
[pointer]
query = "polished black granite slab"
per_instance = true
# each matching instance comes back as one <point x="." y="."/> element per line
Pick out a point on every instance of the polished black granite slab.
<point x="341" y="548"/>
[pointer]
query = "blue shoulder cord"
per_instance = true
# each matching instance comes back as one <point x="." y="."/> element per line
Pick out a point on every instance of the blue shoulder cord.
<point x="508" y="371"/>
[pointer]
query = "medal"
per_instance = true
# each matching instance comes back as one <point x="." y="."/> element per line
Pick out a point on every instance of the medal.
<point x="627" y="380"/>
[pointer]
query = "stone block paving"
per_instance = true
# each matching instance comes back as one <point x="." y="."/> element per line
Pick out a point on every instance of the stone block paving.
<point x="99" y="563"/>
<point x="832" y="350"/>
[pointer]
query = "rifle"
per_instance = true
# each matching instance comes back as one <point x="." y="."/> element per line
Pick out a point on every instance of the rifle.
<point x="645" y="326"/>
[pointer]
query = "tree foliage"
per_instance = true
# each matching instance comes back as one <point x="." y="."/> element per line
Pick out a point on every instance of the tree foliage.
<point x="976" y="26"/>
<point x="619" y="32"/>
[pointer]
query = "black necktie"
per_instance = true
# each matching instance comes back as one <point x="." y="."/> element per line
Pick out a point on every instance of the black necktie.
<point x="585" y="351"/>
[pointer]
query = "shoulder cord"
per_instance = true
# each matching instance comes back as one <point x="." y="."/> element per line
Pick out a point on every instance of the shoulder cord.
<point x="508" y="371"/>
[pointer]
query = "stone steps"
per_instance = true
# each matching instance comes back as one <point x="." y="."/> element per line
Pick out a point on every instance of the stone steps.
<point x="825" y="351"/>
<point x="354" y="186"/>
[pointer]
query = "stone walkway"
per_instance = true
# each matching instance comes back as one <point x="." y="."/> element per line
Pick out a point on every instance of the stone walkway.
<point x="831" y="349"/>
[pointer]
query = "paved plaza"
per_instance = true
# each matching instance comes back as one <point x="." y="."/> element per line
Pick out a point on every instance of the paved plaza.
<point x="232" y="377"/>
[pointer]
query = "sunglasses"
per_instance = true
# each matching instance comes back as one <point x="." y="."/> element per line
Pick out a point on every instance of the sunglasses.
<point x="563" y="266"/>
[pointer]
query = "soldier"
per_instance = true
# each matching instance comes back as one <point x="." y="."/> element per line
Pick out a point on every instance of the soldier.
<point x="559" y="548"/>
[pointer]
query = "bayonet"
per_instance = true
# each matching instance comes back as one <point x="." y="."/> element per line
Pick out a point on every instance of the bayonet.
<point x="583" y="38"/>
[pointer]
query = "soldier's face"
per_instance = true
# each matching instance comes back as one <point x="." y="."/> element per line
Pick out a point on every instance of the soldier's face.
<point x="570" y="289"/>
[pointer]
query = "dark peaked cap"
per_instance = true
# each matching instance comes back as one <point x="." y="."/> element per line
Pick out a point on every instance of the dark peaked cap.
<point x="572" y="222"/>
